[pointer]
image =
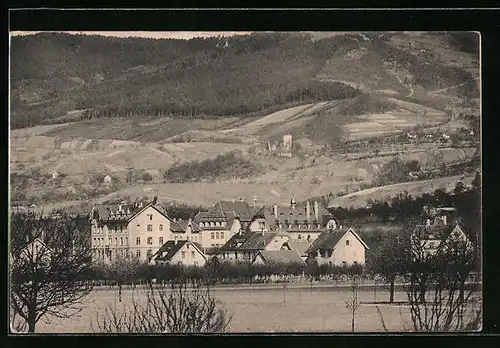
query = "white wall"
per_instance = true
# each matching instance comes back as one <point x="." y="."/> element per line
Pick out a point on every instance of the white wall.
<point x="354" y="252"/>
<point x="191" y="256"/>
<point x="138" y="228"/>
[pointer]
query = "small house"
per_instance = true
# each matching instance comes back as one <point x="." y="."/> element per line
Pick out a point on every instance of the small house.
<point x="107" y="179"/>
<point x="341" y="247"/>
<point x="180" y="252"/>
<point x="299" y="246"/>
<point x="270" y="257"/>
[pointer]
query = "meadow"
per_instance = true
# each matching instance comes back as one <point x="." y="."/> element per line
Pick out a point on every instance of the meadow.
<point x="268" y="310"/>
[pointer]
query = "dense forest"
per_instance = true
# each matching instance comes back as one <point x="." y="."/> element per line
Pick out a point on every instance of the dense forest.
<point x="55" y="74"/>
<point x="223" y="167"/>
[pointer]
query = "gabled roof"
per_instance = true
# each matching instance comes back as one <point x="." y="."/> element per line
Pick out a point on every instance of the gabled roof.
<point x="232" y="243"/>
<point x="281" y="256"/>
<point x="128" y="211"/>
<point x="169" y="249"/>
<point x="298" y="245"/>
<point x="436" y="232"/>
<point x="239" y="209"/>
<point x="182" y="225"/>
<point x="258" y="241"/>
<point x="287" y="214"/>
<point x="330" y="239"/>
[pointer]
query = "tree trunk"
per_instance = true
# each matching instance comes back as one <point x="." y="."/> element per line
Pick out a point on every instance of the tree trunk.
<point x="120" y="292"/>
<point x="31" y="321"/>
<point x="391" y="296"/>
<point x="462" y="292"/>
<point x="352" y="322"/>
<point x="422" y="293"/>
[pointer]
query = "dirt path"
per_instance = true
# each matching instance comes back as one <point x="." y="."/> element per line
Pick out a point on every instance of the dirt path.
<point x="440" y="91"/>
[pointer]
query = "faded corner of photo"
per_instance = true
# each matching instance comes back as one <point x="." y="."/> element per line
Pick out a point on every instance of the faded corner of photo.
<point x="232" y="182"/>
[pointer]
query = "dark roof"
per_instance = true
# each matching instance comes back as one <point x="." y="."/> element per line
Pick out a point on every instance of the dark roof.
<point x="439" y="232"/>
<point x="170" y="248"/>
<point x="232" y="243"/>
<point x="330" y="238"/>
<point x="289" y="215"/>
<point x="128" y="211"/>
<point x="258" y="241"/>
<point x="182" y="225"/>
<point x="239" y="209"/>
<point x="299" y="245"/>
<point x="281" y="256"/>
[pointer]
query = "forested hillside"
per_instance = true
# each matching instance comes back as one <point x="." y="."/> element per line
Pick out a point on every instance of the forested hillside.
<point x="58" y="77"/>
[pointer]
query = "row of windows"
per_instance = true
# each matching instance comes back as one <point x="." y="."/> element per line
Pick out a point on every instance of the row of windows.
<point x="192" y="238"/>
<point x="215" y="245"/>
<point x="124" y="241"/>
<point x="100" y="241"/>
<point x="149" y="228"/>
<point x="122" y="229"/>
<point x="149" y="241"/>
<point x="212" y="223"/>
<point x="183" y="254"/>
<point x="217" y="235"/>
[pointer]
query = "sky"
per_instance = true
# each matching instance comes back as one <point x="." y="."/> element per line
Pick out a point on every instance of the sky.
<point x="186" y="35"/>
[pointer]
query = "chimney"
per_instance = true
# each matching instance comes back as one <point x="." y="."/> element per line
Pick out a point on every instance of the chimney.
<point x="308" y="210"/>
<point x="119" y="207"/>
<point x="140" y="204"/>
<point x="175" y="242"/>
<point x="293" y="203"/>
<point x="276" y="210"/>
<point x="444" y="219"/>
<point x="316" y="210"/>
<point x="428" y="222"/>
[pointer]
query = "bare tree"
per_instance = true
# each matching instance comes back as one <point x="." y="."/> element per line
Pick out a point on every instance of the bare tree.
<point x="124" y="269"/>
<point x="437" y="293"/>
<point x="389" y="261"/>
<point x="50" y="266"/>
<point x="175" y="310"/>
<point x="353" y="303"/>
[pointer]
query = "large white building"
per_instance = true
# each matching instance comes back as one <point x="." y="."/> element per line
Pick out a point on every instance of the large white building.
<point x="129" y="230"/>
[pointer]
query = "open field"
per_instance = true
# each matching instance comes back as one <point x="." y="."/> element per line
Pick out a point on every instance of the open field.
<point x="384" y="193"/>
<point x="270" y="310"/>
<point x="264" y="311"/>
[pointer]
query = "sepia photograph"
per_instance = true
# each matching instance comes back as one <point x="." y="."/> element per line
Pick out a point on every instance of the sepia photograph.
<point x="181" y="182"/>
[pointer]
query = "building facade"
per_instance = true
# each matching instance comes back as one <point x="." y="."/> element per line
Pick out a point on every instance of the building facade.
<point x="341" y="247"/>
<point x="128" y="231"/>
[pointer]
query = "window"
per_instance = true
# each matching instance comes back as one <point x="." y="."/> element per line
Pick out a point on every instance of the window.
<point x="126" y="240"/>
<point x="355" y="262"/>
<point x="299" y="236"/>
<point x="150" y="240"/>
<point x="192" y="254"/>
<point x="187" y="238"/>
<point x="222" y="235"/>
<point x="183" y="254"/>
<point x="175" y="238"/>
<point x="149" y="253"/>
<point x="187" y="246"/>
<point x="150" y="216"/>
<point x="161" y="241"/>
<point x="212" y="235"/>
<point x="344" y="263"/>
<point x="109" y="241"/>
<point x="161" y="227"/>
<point x="95" y="241"/>
<point x="138" y="254"/>
<point x="216" y="235"/>
<point x="308" y="237"/>
<point x="121" y="228"/>
<point x="116" y="241"/>
<point x="138" y="241"/>
<point x="150" y="228"/>
<point x="347" y="242"/>
<point x="121" y="240"/>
